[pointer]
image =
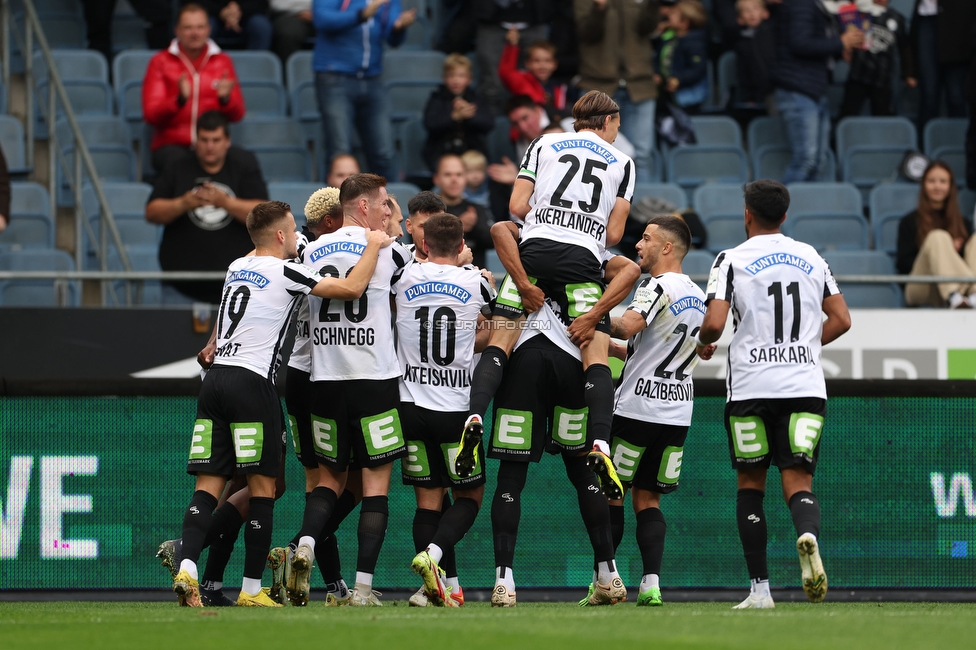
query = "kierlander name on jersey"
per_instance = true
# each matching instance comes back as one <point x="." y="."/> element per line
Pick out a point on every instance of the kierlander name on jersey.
<point x="437" y="317"/>
<point x="352" y="339"/>
<point x="656" y="384"/>
<point x="577" y="177"/>
<point x="776" y="287"/>
<point x="259" y="296"/>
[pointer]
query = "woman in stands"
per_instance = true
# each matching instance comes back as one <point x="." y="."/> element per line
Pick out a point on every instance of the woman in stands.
<point x="935" y="239"/>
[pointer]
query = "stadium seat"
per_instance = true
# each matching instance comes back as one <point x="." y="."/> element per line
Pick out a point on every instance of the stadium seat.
<point x="419" y="35"/>
<point x="294" y="194"/>
<point x="944" y="132"/>
<point x="771" y="161"/>
<point x="967" y="202"/>
<point x="3" y="98"/>
<point x="128" y="71"/>
<point x="410" y="159"/>
<point x="835" y="231"/>
<point x="405" y="65"/>
<point x="720" y="206"/>
<point x="280" y="146"/>
<point x="408" y="98"/>
<point x="31" y="224"/>
<point x="873" y="134"/>
<point x="128" y="204"/>
<point x="266" y="131"/>
<point x="141" y="258"/>
<point x="765" y="131"/>
<point x="867" y="165"/>
<point x="669" y="192"/>
<point x="12" y="141"/>
<point x="254" y="65"/>
<point x="265" y="98"/>
<point x="690" y="167"/>
<point x="500" y="144"/>
<point x="698" y="262"/>
<point x="107" y="139"/>
<point x="404" y="192"/>
<point x="823" y="198"/>
<point x="494" y="264"/>
<point x="865" y="295"/>
<point x="128" y="32"/>
<point x="955" y="157"/>
<point x="717" y="130"/>
<point x="727" y="78"/>
<point x="284" y="163"/>
<point x="84" y="75"/>
<point x="889" y="202"/>
<point x="298" y="69"/>
<point x="37" y="293"/>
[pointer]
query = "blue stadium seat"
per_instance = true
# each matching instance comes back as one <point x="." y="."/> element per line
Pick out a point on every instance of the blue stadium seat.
<point x="128" y="204"/>
<point x="717" y="130"/>
<point x="669" y="192"/>
<point x="874" y="131"/>
<point x="294" y="194"/>
<point x="266" y="131"/>
<point x="31" y="223"/>
<point x="494" y="264"/>
<point x="867" y="165"/>
<point x="690" y="167"/>
<point x="771" y="161"/>
<point x="108" y="143"/>
<point x="128" y="32"/>
<point x="420" y="34"/>
<point x="128" y="71"/>
<point x="944" y="132"/>
<point x="12" y="141"/>
<point x="955" y="157"/>
<point x="764" y="131"/>
<point x="404" y="192"/>
<point x="823" y="198"/>
<point x="265" y="98"/>
<point x="280" y="146"/>
<point x="84" y="74"/>
<point x="967" y="202"/>
<point x="410" y="159"/>
<point x="835" y="231"/>
<point x="720" y="206"/>
<point x="38" y="293"/>
<point x="284" y="163"/>
<point x="255" y="65"/>
<point x="298" y="69"/>
<point x="698" y="262"/>
<point x="889" y="202"/>
<point x="865" y="295"/>
<point x="404" y="65"/>
<point x="408" y="98"/>
<point x="727" y="78"/>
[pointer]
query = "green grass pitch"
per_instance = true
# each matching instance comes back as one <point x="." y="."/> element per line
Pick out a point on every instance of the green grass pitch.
<point x="145" y="626"/>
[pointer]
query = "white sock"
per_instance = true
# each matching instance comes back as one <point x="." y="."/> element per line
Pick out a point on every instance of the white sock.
<point x="508" y="579"/>
<point x="595" y="576"/>
<point x="436" y="552"/>
<point x="190" y="567"/>
<point x="606" y="571"/>
<point x="251" y="586"/>
<point x="364" y="579"/>
<point x="759" y="588"/>
<point x="305" y="539"/>
<point x="471" y="418"/>
<point x="649" y="580"/>
<point x="453" y="583"/>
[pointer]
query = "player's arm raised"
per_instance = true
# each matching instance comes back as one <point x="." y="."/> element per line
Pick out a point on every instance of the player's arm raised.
<point x="353" y="285"/>
<point x="838" y="318"/>
<point x="505" y="236"/>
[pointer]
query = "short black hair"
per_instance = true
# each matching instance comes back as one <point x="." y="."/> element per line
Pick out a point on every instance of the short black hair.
<point x="264" y="217"/>
<point x="676" y="227"/>
<point x="767" y="200"/>
<point x="426" y="203"/>
<point x="443" y="234"/>
<point x="213" y="120"/>
<point x="519" y="101"/>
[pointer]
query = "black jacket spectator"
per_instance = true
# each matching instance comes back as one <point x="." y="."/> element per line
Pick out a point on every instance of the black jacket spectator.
<point x="807" y="37"/>
<point x="954" y="25"/>
<point x="875" y="67"/>
<point x="755" y="51"/>
<point x="445" y="135"/>
<point x="689" y="62"/>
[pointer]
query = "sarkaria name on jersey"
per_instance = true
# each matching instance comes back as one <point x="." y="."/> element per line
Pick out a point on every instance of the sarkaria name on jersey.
<point x="688" y="302"/>
<point x="652" y="389"/>
<point x="582" y="143"/>
<point x="248" y="276"/>
<point x="449" y="377"/>
<point x="768" y="261"/>
<point x="443" y="288"/>
<point x="572" y="221"/>
<point x="337" y="247"/>
<point x="790" y="354"/>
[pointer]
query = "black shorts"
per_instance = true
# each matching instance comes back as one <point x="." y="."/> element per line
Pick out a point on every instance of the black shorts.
<point x="239" y="426"/>
<point x="782" y="432"/>
<point x="540" y="405"/>
<point x="647" y="455"/>
<point x="569" y="275"/>
<point x="432" y="442"/>
<point x="298" y="387"/>
<point x="356" y="420"/>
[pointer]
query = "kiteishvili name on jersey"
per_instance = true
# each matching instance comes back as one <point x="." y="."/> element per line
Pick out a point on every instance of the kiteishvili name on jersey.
<point x="449" y="377"/>
<point x="652" y="389"/>
<point x="583" y="143"/>
<point x="769" y="261"/>
<point x="572" y="221"/>
<point x="788" y="354"/>
<point x="361" y="336"/>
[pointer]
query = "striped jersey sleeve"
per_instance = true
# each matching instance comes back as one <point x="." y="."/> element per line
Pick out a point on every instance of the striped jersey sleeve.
<point x="529" y="168"/>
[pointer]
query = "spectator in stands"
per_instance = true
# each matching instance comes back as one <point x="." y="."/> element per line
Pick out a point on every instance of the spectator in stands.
<point x="942" y="41"/>
<point x="348" y="61"/>
<point x="755" y="51"/>
<point x="455" y="117"/>
<point x="292" y="22"/>
<point x="616" y="57"/>
<point x="203" y="200"/>
<point x="450" y="181"/>
<point x="495" y="18"/>
<point x="246" y="22"/>
<point x="4" y="193"/>
<point x="682" y="59"/>
<point x="807" y="39"/>
<point x="935" y="239"/>
<point x="872" y="66"/>
<point x="536" y="80"/>
<point x="343" y="166"/>
<point x="476" y="178"/>
<point x="184" y="81"/>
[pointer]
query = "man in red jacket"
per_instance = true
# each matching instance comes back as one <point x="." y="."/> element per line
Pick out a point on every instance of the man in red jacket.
<point x="185" y="81"/>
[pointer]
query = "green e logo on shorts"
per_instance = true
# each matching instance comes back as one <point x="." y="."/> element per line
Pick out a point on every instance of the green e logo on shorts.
<point x="382" y="432"/>
<point x="581" y="297"/>
<point x="626" y="458"/>
<point x="293" y="427"/>
<point x="569" y="426"/>
<point x="416" y="463"/>
<point x="324" y="437"/>
<point x="670" y="468"/>
<point x="248" y="441"/>
<point x="450" y="451"/>
<point x="201" y="444"/>
<point x="805" y="429"/>
<point x="508" y="294"/>
<point x="513" y="429"/>
<point x="748" y="436"/>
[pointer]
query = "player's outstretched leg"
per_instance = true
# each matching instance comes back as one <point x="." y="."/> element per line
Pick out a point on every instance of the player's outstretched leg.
<point x="168" y="554"/>
<point x="751" y="519"/>
<point x="506" y="510"/>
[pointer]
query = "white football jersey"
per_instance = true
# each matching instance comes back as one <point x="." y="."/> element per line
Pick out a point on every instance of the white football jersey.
<point x="656" y="385"/>
<point x="301" y="351"/>
<point x="577" y="177"/>
<point x="776" y="287"/>
<point x="437" y="319"/>
<point x="259" y="296"/>
<point x="353" y="339"/>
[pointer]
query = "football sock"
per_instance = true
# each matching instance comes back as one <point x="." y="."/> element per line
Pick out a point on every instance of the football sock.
<point x="617" y="525"/>
<point x="649" y="580"/>
<point x="364" y="580"/>
<point x="196" y="523"/>
<point x="257" y="537"/>
<point x="651" y="529"/>
<point x="449" y="561"/>
<point x="251" y="586"/>
<point x="455" y="524"/>
<point x="805" y="509"/>
<point x="293" y="544"/>
<point x="190" y="567"/>
<point x="752" y="531"/>
<point x="424" y="527"/>
<point x="759" y="587"/>
<point x="327" y="557"/>
<point x="318" y="509"/>
<point x="224" y="529"/>
<point x="599" y="399"/>
<point x="372" y="529"/>
<point x="503" y="576"/>
<point x="487" y="378"/>
<point x="506" y="510"/>
<point x="211" y="585"/>
<point x="593" y="506"/>
<point x="606" y="571"/>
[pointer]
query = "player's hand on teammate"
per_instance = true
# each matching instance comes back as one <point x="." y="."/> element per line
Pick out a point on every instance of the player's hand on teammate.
<point x="617" y="350"/>
<point x="532" y="298"/>
<point x="488" y="275"/>
<point x="466" y="256"/>
<point x="706" y="351"/>
<point x="582" y="329"/>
